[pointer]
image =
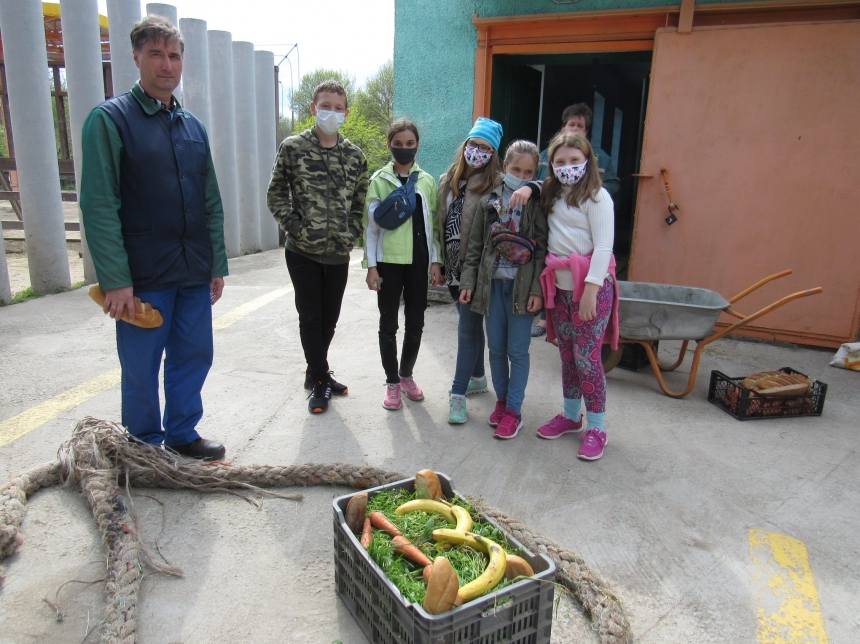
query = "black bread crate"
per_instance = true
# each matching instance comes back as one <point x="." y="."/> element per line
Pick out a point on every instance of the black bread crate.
<point x="518" y="614"/>
<point x="745" y="404"/>
<point x="634" y="356"/>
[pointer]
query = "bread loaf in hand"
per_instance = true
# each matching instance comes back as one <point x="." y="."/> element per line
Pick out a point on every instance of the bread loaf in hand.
<point x="777" y="383"/>
<point x="144" y="315"/>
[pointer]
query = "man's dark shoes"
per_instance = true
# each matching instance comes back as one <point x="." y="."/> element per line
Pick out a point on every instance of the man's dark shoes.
<point x="320" y="395"/>
<point x="202" y="449"/>
<point x="337" y="389"/>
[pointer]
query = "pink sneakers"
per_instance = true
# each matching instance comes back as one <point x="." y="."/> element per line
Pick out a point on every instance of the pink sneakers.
<point x="392" y="397"/>
<point x="410" y="389"/>
<point x="592" y="445"/>
<point x="559" y="426"/>
<point x="509" y="426"/>
<point x="498" y="413"/>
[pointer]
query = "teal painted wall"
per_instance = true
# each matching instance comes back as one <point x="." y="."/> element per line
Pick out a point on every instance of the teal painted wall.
<point x="434" y="62"/>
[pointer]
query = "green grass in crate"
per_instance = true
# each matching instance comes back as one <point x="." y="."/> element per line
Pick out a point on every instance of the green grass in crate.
<point x="418" y="527"/>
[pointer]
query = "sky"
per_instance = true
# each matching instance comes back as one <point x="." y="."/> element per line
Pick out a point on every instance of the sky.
<point x="358" y="37"/>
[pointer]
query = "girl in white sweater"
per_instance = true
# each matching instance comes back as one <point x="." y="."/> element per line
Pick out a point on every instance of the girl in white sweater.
<point x="579" y="286"/>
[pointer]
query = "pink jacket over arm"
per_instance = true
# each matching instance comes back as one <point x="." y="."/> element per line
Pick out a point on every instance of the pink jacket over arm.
<point x="578" y="265"/>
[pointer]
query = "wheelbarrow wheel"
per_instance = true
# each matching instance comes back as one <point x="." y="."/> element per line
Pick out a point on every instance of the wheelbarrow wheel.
<point x="610" y="357"/>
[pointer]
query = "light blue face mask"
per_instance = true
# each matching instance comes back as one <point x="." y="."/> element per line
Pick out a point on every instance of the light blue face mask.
<point x="514" y="183"/>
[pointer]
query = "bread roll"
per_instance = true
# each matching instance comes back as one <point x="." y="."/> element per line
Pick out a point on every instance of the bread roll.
<point x="144" y="315"/>
<point x="777" y="383"/>
<point x="442" y="588"/>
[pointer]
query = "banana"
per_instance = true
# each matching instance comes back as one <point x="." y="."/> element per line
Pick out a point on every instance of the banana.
<point x="426" y="505"/>
<point x="464" y="519"/>
<point x="495" y="570"/>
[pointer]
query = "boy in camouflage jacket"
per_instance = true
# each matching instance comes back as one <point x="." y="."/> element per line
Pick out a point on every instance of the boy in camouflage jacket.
<point x="317" y="193"/>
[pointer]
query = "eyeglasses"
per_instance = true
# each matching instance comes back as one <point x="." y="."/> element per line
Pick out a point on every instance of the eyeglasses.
<point x="486" y="149"/>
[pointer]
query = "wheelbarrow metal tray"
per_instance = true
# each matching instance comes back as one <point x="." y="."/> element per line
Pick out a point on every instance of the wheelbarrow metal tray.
<point x="649" y="311"/>
<point x="517" y="614"/>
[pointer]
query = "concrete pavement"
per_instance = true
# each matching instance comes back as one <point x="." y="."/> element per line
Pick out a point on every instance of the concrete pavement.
<point x="694" y="518"/>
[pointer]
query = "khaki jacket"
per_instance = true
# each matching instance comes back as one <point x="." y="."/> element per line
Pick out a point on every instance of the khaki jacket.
<point x="477" y="274"/>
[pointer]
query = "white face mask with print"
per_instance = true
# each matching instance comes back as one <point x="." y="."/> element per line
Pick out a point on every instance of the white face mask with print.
<point x="329" y="122"/>
<point x="475" y="158"/>
<point x="570" y="174"/>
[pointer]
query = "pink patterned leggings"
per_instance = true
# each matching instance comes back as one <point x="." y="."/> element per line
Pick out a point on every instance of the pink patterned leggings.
<point x="579" y="344"/>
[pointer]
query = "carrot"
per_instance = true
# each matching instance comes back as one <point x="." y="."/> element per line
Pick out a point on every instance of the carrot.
<point x="410" y="551"/>
<point x="379" y="520"/>
<point x="366" y="534"/>
<point x="428" y="570"/>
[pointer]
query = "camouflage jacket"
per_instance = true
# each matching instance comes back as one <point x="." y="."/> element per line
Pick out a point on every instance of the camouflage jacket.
<point x="317" y="196"/>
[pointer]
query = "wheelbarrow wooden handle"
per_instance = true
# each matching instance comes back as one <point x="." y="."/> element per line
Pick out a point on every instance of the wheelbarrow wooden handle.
<point x="749" y="318"/>
<point x="759" y="284"/>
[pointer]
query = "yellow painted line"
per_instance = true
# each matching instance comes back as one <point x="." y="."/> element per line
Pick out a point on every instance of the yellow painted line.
<point x="27" y="421"/>
<point x="788" y="608"/>
<point x="223" y="321"/>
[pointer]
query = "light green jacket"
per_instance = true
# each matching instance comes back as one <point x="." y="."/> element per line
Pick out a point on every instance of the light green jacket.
<point x="395" y="246"/>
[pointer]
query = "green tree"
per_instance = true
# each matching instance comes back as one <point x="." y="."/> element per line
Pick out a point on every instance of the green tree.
<point x="301" y="97"/>
<point x="376" y="100"/>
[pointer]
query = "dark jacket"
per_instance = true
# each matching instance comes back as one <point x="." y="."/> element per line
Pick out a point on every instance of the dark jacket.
<point x="152" y="210"/>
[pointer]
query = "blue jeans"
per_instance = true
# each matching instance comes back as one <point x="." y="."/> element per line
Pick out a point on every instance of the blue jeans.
<point x="185" y="339"/>
<point x="470" y="348"/>
<point x="509" y="338"/>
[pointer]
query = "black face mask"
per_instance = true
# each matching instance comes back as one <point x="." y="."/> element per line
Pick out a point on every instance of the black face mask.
<point x="404" y="156"/>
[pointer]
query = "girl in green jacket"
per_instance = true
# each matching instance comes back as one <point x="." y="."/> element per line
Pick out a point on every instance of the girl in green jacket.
<point x="398" y="260"/>
<point x="502" y="282"/>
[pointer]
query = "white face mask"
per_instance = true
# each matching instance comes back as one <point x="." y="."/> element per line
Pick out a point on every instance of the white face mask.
<point x="475" y="158"/>
<point x="329" y="122"/>
<point x="570" y="174"/>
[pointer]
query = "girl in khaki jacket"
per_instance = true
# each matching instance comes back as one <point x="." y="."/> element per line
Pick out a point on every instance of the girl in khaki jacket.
<point x="503" y="283"/>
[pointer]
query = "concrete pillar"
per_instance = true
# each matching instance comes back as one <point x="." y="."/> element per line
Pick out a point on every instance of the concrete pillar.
<point x="82" y="47"/>
<point x="5" y="288"/>
<point x="26" y="59"/>
<point x="122" y="14"/>
<point x="195" y="69"/>
<point x="246" y="147"/>
<point x="164" y="10"/>
<point x="167" y="11"/>
<point x="222" y="135"/>
<point x="264" y="71"/>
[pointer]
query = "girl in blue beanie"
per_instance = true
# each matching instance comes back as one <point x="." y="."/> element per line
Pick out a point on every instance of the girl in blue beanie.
<point x="475" y="172"/>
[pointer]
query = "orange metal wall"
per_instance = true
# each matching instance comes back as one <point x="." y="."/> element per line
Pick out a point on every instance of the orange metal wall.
<point x="757" y="126"/>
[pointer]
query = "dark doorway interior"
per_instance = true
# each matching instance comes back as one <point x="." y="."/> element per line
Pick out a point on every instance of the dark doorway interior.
<point x="530" y="93"/>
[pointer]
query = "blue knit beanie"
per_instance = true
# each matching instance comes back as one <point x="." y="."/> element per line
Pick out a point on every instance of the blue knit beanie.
<point x="488" y="130"/>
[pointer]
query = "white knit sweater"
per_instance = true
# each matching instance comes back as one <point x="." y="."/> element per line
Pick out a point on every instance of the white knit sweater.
<point x="585" y="230"/>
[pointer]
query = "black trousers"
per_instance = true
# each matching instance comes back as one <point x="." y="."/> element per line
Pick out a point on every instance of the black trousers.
<point x="319" y="294"/>
<point x="410" y="280"/>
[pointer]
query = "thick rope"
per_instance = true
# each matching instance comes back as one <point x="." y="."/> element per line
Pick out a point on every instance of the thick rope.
<point x="101" y="458"/>
<point x="600" y="602"/>
<point x="13" y="499"/>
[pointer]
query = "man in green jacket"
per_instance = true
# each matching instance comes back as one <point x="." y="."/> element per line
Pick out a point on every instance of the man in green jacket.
<point x="317" y="194"/>
<point x="155" y="228"/>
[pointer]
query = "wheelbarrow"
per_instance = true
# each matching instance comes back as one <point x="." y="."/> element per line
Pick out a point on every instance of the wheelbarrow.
<point x="651" y="312"/>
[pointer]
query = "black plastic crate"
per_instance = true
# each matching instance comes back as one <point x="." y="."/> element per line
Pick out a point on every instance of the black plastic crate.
<point x="634" y="356"/>
<point x="744" y="404"/>
<point x="517" y="614"/>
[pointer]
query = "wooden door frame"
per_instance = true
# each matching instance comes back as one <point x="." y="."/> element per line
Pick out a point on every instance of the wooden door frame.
<point x="625" y="30"/>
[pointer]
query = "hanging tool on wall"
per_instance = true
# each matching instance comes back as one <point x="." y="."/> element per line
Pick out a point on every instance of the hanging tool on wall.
<point x="673" y="207"/>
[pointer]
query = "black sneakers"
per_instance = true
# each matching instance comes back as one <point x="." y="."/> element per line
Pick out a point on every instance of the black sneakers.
<point x="320" y="395"/>
<point x="337" y="388"/>
<point x="201" y="449"/>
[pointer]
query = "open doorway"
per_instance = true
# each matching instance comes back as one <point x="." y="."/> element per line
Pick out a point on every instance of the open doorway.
<point x="530" y="92"/>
